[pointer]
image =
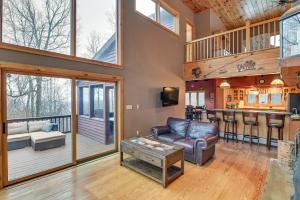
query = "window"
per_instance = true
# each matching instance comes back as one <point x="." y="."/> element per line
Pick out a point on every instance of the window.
<point x="290" y="31"/>
<point x="276" y="98"/>
<point x="147" y="8"/>
<point x="47" y="25"/>
<point x="84" y="105"/>
<point x="263" y="98"/>
<point x="167" y="19"/>
<point x="160" y="13"/>
<point x="189" y="32"/>
<point x="98" y="101"/>
<point x="251" y="98"/>
<point x="96" y="32"/>
<point x="38" y="24"/>
<point x="195" y="98"/>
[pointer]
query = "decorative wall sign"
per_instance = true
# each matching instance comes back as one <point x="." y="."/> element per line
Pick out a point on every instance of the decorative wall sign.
<point x="196" y="72"/>
<point x="246" y="64"/>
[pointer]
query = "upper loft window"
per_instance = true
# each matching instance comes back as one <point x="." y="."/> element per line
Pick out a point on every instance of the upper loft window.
<point x="147" y="8"/>
<point x="159" y="12"/>
<point x="51" y="25"/>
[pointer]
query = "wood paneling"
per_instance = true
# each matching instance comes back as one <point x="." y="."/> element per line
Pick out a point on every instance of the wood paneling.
<point x="246" y="64"/>
<point x="92" y="128"/>
<point x="235" y="13"/>
<point x="238" y="171"/>
<point x="289" y="75"/>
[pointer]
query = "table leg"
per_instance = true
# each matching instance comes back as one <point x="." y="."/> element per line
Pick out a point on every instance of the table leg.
<point x="165" y="174"/>
<point x="182" y="163"/>
<point x="121" y="158"/>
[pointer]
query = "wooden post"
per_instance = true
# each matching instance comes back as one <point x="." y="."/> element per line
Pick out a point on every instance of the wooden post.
<point x="248" y="37"/>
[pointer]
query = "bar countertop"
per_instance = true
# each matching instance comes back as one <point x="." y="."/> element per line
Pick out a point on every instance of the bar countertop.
<point x="258" y="111"/>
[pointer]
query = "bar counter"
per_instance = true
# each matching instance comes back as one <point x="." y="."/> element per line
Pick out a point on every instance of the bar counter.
<point x="289" y="127"/>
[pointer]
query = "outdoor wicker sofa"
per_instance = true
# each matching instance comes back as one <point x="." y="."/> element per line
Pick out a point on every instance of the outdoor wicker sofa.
<point x="40" y="135"/>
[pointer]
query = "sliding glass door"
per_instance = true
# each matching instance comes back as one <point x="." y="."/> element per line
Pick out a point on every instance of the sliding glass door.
<point x="38" y="124"/>
<point x="95" y="103"/>
<point x="50" y="122"/>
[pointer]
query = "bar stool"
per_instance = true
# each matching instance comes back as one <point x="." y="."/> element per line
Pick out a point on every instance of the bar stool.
<point x="250" y="119"/>
<point x="189" y="112"/>
<point x="274" y="121"/>
<point x="229" y="119"/>
<point x="198" y="113"/>
<point x="212" y="117"/>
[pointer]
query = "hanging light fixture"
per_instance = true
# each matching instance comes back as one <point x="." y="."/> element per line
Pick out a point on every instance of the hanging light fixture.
<point x="277" y="81"/>
<point x="224" y="84"/>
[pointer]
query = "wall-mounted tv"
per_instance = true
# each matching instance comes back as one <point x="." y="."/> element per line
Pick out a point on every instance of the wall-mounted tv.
<point x="169" y="96"/>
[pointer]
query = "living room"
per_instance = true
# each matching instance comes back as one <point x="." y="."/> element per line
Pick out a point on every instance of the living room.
<point x="126" y="99"/>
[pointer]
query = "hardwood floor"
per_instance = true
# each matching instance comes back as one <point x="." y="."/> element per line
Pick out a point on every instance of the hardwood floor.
<point x="237" y="172"/>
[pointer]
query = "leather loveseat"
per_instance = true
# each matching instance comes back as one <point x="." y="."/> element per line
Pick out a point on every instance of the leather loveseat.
<point x="197" y="138"/>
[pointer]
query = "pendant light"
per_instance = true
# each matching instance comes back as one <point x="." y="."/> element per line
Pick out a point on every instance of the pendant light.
<point x="224" y="84"/>
<point x="277" y="81"/>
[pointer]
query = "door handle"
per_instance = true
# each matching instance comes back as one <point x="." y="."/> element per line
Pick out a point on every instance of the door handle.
<point x="3" y="128"/>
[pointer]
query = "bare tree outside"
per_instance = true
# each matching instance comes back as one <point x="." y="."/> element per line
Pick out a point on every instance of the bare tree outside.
<point x="40" y="24"/>
<point x="36" y="96"/>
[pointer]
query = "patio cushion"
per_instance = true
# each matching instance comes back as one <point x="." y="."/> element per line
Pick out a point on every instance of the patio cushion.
<point x="36" y="126"/>
<point x="47" y="127"/>
<point x="18" y="137"/>
<point x="39" y="137"/>
<point x="17" y="128"/>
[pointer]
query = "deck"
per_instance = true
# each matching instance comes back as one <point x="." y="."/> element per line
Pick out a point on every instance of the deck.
<point x="26" y="161"/>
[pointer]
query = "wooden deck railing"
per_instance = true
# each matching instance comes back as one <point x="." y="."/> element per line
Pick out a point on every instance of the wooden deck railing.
<point x="252" y="37"/>
<point x="64" y="121"/>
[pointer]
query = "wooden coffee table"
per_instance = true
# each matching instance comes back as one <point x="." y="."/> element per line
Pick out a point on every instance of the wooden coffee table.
<point x="155" y="160"/>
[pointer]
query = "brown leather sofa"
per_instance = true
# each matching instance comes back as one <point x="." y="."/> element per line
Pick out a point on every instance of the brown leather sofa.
<point x="198" y="138"/>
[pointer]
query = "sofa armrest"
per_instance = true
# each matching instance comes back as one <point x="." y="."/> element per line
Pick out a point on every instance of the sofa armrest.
<point x="206" y="141"/>
<point x="159" y="130"/>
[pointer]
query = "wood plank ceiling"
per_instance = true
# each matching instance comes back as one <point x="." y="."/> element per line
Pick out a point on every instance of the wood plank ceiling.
<point x="234" y="13"/>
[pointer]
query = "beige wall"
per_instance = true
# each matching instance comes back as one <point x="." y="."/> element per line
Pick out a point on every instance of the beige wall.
<point x="207" y="22"/>
<point x="153" y="58"/>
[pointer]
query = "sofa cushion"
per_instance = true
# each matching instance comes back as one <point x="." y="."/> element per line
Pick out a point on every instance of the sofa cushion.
<point x="47" y="127"/>
<point x="169" y="138"/>
<point x="18" y="137"/>
<point x="178" y="126"/>
<point x="39" y="137"/>
<point x="187" y="143"/>
<point x="17" y="128"/>
<point x="200" y="129"/>
<point x="35" y="126"/>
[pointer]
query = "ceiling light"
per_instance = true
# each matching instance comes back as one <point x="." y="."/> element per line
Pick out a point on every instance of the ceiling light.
<point x="225" y="84"/>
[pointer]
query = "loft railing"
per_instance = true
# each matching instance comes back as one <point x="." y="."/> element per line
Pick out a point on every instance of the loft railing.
<point x="252" y="37"/>
<point x="64" y="121"/>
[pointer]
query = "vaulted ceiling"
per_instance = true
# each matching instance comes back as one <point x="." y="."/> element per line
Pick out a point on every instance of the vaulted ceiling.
<point x="234" y="13"/>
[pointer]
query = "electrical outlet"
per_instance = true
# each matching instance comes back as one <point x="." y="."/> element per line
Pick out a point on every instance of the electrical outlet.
<point x="137" y="132"/>
<point x="129" y="107"/>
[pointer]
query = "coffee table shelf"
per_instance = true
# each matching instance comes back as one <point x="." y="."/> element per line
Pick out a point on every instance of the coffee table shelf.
<point x="151" y="171"/>
<point x="152" y="163"/>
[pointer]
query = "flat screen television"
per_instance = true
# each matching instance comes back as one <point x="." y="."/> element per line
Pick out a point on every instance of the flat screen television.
<point x="169" y="96"/>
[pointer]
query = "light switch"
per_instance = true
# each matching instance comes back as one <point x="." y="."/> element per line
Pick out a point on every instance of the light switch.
<point x="128" y="107"/>
<point x="137" y="106"/>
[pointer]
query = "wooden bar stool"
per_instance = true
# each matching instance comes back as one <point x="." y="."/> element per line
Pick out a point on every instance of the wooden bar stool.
<point x="212" y="117"/>
<point x="250" y="119"/>
<point x="274" y="121"/>
<point x="229" y="119"/>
